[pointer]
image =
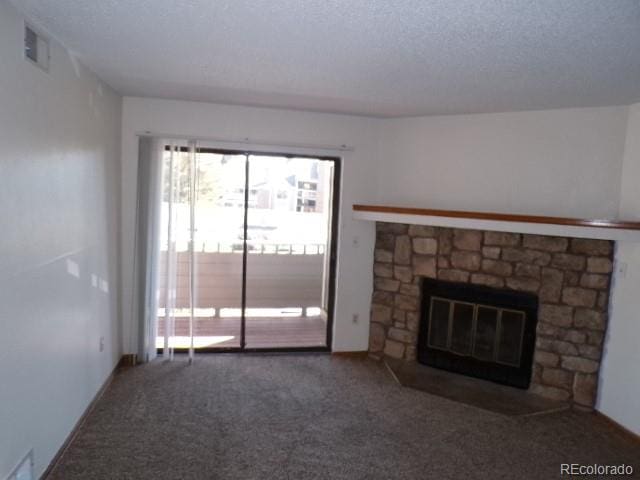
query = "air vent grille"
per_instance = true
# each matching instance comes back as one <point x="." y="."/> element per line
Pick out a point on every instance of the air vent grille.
<point x="36" y="48"/>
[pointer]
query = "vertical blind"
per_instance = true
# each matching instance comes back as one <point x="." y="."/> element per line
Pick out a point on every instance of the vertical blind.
<point x="166" y="210"/>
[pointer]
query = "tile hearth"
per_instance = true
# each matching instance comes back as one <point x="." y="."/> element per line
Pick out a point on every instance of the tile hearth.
<point x="472" y="391"/>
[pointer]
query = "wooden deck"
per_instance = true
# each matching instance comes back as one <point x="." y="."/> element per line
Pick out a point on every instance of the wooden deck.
<point x="278" y="281"/>
<point x="261" y="332"/>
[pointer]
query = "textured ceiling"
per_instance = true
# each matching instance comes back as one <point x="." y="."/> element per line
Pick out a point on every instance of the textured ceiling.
<point x="372" y="57"/>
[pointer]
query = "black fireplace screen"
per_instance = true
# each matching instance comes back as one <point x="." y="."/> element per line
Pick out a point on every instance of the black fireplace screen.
<point x="478" y="331"/>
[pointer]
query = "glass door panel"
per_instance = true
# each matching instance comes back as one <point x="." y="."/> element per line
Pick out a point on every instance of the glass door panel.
<point x="219" y="249"/>
<point x="288" y="239"/>
<point x="216" y="280"/>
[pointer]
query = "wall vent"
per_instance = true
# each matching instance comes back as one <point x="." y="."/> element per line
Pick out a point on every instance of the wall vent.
<point x="36" y="48"/>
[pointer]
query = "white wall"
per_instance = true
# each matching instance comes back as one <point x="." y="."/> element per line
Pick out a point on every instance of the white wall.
<point x="554" y="162"/>
<point x="620" y="372"/>
<point x="260" y="125"/>
<point x="59" y="133"/>
<point x="630" y="185"/>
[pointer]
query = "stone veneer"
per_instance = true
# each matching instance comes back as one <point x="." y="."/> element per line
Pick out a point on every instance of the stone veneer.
<point x="571" y="277"/>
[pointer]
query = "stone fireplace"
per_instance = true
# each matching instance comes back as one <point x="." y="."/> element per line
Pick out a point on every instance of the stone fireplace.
<point x="569" y="279"/>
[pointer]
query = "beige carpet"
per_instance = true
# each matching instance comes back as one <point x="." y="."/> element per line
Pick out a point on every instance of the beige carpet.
<point x="316" y="417"/>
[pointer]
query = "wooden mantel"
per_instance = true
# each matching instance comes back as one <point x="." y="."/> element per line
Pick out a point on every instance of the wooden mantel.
<point x="502" y="222"/>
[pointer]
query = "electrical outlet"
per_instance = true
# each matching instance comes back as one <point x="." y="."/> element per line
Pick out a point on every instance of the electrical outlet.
<point x="73" y="268"/>
<point x="622" y="269"/>
<point x="355" y="318"/>
<point x="101" y="344"/>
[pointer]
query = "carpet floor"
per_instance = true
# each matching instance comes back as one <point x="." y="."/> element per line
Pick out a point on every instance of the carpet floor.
<point x="316" y="416"/>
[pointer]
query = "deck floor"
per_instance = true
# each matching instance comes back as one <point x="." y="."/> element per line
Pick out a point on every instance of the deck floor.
<point x="260" y="332"/>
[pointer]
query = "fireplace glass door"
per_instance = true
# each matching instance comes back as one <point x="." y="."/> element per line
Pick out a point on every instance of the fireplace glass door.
<point x="478" y="331"/>
<point x="481" y="331"/>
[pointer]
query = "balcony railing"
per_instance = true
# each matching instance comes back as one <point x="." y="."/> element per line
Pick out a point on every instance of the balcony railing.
<point x="285" y="275"/>
<point x="254" y="248"/>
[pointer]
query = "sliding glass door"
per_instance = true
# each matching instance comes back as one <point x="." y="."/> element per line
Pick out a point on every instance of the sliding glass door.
<point x="247" y="250"/>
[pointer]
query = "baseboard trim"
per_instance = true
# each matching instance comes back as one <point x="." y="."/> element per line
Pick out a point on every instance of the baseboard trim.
<point x="358" y="354"/>
<point x="124" y="361"/>
<point x="127" y="360"/>
<point x="624" y="430"/>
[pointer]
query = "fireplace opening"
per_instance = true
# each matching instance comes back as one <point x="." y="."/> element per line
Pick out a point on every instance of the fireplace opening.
<point x="478" y="331"/>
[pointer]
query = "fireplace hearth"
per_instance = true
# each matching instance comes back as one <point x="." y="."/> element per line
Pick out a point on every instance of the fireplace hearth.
<point x="478" y="331"/>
